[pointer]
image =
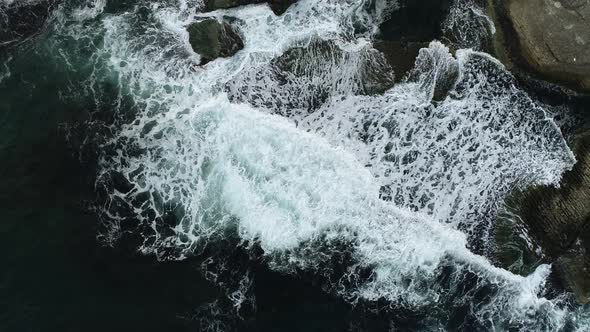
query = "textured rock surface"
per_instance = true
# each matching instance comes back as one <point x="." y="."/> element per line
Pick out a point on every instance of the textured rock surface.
<point x="212" y="39"/>
<point x="553" y="38"/>
<point x="277" y="6"/>
<point x="304" y="70"/>
<point x="559" y="218"/>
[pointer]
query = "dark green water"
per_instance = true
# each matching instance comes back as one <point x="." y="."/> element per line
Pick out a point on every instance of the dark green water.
<point x="55" y="275"/>
<point x="60" y="100"/>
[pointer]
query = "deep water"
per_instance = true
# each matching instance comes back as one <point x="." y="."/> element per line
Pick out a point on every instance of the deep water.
<point x="141" y="192"/>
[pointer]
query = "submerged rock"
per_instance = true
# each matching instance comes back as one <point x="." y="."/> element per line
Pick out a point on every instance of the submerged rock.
<point x="20" y="20"/>
<point x="312" y="72"/>
<point x="466" y="26"/>
<point x="277" y="6"/>
<point x="552" y="37"/>
<point x="410" y="26"/>
<point x="212" y="39"/>
<point x="400" y="55"/>
<point x="415" y="21"/>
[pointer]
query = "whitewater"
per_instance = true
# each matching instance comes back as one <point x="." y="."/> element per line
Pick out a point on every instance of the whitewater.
<point x="304" y="165"/>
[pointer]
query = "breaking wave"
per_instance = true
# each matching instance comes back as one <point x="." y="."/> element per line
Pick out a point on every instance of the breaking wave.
<point x="302" y="147"/>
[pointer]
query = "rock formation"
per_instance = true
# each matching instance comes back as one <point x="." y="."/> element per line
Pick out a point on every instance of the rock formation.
<point x="212" y="39"/>
<point x="552" y="38"/>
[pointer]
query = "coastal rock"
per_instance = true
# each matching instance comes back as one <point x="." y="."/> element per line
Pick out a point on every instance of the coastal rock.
<point x="411" y="26"/>
<point x="415" y="21"/>
<point x="466" y="26"/>
<point x="277" y="6"/>
<point x="313" y="72"/>
<point x="212" y="39"/>
<point x="553" y="38"/>
<point x="558" y="218"/>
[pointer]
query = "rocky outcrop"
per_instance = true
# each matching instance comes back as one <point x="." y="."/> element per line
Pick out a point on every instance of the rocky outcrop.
<point x="212" y="39"/>
<point x="400" y="55"/>
<point x="552" y="38"/>
<point x="277" y="6"/>
<point x="415" y="21"/>
<point x="20" y="20"/>
<point x="410" y="27"/>
<point x="558" y="218"/>
<point x="549" y="40"/>
<point x="313" y="72"/>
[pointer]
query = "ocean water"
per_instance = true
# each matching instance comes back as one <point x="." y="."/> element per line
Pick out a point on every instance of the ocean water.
<point x="144" y="192"/>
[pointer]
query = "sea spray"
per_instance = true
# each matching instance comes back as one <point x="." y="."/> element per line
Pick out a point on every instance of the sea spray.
<point x="405" y="183"/>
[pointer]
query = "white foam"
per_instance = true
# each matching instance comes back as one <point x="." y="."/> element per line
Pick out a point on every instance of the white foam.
<point x="288" y="184"/>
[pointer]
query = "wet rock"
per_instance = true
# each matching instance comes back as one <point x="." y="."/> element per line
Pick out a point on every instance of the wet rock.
<point x="277" y="6"/>
<point x="313" y="71"/>
<point x="212" y="39"/>
<point x="400" y="55"/>
<point x="412" y="25"/>
<point x="574" y="268"/>
<point x="513" y="248"/>
<point x="437" y="69"/>
<point x="20" y="20"/>
<point x="559" y="219"/>
<point x="552" y="38"/>
<point x="467" y="26"/>
<point x="415" y="21"/>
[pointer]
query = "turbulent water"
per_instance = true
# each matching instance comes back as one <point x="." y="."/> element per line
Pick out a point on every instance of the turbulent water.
<point x="385" y="198"/>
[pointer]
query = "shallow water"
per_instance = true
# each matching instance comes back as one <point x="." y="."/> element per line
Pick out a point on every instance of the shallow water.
<point x="145" y="192"/>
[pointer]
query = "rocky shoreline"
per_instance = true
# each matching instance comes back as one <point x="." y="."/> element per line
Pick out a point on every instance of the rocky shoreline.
<point x="550" y="51"/>
<point x="545" y="41"/>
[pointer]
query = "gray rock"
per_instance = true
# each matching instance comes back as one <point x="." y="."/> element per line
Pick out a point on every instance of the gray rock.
<point x="553" y="38"/>
<point x="277" y="6"/>
<point x="212" y="39"/>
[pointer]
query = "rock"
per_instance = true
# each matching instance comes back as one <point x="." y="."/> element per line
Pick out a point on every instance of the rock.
<point x="559" y="220"/>
<point x="437" y="70"/>
<point x="552" y="38"/>
<point x="467" y="26"/>
<point x="574" y="269"/>
<point x="549" y="39"/>
<point x="400" y="55"/>
<point x="277" y="6"/>
<point x="212" y="39"/>
<point x="410" y="27"/>
<point x="280" y="6"/>
<point x="415" y="21"/>
<point x="20" y="20"/>
<point x="313" y="72"/>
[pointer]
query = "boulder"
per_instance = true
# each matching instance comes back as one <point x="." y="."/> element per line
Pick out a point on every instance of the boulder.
<point x="277" y="6"/>
<point x="212" y="39"/>
<point x="552" y="38"/>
